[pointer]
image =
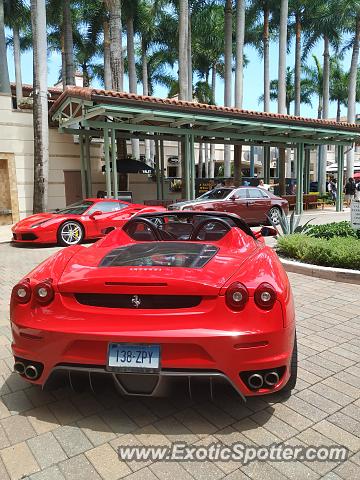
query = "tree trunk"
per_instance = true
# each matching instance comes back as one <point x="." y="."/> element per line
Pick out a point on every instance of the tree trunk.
<point x="201" y="160"/>
<point x="149" y="144"/>
<point x="145" y="78"/>
<point x="17" y="62"/>
<point x="107" y="65"/>
<point x="183" y="50"/>
<point x="189" y="59"/>
<point x="212" y="145"/>
<point x="206" y="159"/>
<point x="63" y="60"/>
<point x="114" y="7"/>
<point x="351" y="113"/>
<point x="131" y="54"/>
<point x="282" y="56"/>
<point x="240" y="36"/>
<point x="228" y="53"/>
<point x="40" y="106"/>
<point x="325" y="114"/>
<point x="266" y="59"/>
<point x="237" y="165"/>
<point x="228" y="77"/>
<point x="338" y="111"/>
<point x="135" y="148"/>
<point x="298" y="65"/>
<point x="4" y="72"/>
<point x="68" y="43"/>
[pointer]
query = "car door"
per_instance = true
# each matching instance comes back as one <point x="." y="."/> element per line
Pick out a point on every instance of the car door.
<point x="237" y="203"/>
<point x="98" y="223"/>
<point x="259" y="204"/>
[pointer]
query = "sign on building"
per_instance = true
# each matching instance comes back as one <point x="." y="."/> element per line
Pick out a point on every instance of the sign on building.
<point x="355" y="214"/>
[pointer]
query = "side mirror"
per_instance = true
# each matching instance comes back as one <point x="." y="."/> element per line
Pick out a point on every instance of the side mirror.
<point x="233" y="198"/>
<point x="268" y="232"/>
<point x="94" y="214"/>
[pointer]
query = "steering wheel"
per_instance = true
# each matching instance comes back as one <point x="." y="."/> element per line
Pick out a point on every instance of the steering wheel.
<point x="201" y="225"/>
<point x="145" y="221"/>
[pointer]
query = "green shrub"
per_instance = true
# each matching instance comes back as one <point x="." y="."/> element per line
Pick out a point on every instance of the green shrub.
<point x="336" y="252"/>
<point x="330" y="230"/>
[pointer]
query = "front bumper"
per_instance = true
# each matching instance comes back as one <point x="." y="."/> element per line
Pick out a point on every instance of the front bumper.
<point x="36" y="235"/>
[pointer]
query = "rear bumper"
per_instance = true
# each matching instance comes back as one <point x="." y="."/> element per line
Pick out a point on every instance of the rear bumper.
<point x="227" y="353"/>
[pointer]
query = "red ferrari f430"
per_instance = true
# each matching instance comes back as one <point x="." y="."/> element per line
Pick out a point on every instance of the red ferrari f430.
<point x="167" y="296"/>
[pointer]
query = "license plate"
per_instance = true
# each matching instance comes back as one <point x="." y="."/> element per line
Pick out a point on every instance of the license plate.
<point x="133" y="358"/>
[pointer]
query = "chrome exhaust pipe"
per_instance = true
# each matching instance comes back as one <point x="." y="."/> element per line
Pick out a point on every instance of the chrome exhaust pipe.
<point x="255" y="381"/>
<point x="271" y="378"/>
<point x="31" y="372"/>
<point x="19" y="368"/>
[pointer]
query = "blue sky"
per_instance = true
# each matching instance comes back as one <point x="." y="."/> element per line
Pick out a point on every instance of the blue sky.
<point x="253" y="77"/>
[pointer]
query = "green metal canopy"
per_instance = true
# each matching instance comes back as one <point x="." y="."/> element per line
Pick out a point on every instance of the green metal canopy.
<point x="107" y="114"/>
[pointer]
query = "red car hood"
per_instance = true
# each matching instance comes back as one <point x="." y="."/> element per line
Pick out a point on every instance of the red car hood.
<point x="83" y="275"/>
<point x="37" y="218"/>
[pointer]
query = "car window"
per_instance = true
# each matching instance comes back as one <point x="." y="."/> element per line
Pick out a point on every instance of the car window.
<point x="255" y="193"/>
<point x="106" y="207"/>
<point x="215" y="194"/>
<point x="75" y="209"/>
<point x="241" y="193"/>
<point x="164" y="254"/>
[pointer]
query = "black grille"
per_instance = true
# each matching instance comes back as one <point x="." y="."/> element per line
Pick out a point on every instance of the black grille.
<point x="28" y="236"/>
<point x="111" y="300"/>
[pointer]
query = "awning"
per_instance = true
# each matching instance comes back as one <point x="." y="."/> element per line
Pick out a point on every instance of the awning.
<point x="131" y="166"/>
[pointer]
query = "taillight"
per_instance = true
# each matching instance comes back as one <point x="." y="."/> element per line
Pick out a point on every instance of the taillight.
<point x="21" y="293"/>
<point x="265" y="296"/>
<point x="44" y="293"/>
<point x="236" y="296"/>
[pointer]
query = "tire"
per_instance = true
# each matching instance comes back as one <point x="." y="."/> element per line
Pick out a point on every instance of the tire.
<point x="70" y="233"/>
<point x="274" y="214"/>
<point x="293" y="370"/>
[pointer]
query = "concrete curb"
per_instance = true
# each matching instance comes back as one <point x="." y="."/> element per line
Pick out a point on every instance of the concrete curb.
<point x="328" y="273"/>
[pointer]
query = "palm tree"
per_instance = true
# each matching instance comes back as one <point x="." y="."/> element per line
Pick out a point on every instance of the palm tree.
<point x="306" y="88"/>
<point x="339" y="86"/>
<point x="284" y="7"/>
<point x="324" y="26"/>
<point x="4" y="72"/>
<point x="17" y="17"/>
<point x="228" y="75"/>
<point x="348" y="14"/>
<point x="68" y="44"/>
<point x="315" y="76"/>
<point x="130" y="10"/>
<point x="259" y="15"/>
<point x="301" y="11"/>
<point x="183" y="50"/>
<point x="40" y="106"/>
<point x="239" y="62"/>
<point x="117" y="74"/>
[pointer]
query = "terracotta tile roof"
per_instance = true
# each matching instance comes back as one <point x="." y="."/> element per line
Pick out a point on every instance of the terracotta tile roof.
<point x="111" y="96"/>
<point x="28" y="88"/>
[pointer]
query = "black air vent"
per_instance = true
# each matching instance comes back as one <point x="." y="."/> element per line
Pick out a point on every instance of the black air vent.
<point x="111" y="300"/>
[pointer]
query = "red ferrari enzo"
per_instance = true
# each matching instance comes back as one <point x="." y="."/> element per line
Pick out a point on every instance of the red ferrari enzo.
<point x="170" y="295"/>
<point x="84" y="220"/>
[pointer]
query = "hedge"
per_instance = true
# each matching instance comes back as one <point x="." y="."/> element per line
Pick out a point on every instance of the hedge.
<point x="336" y="252"/>
<point x="330" y="230"/>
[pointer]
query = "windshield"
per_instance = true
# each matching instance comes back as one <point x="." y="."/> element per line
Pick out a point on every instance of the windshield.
<point x="215" y="194"/>
<point x="75" y="209"/>
<point x="164" y="254"/>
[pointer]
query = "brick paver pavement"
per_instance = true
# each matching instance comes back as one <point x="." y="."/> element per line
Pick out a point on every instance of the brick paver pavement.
<point x="57" y="435"/>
